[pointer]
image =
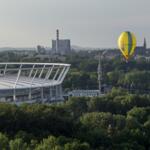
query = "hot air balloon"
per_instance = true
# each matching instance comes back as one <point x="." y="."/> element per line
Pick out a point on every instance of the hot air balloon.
<point x="127" y="44"/>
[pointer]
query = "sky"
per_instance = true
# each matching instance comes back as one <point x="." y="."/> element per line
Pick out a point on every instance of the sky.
<point x="88" y="23"/>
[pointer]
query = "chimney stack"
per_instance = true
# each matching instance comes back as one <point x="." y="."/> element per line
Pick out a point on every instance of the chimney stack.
<point x="57" y="34"/>
<point x="57" y="41"/>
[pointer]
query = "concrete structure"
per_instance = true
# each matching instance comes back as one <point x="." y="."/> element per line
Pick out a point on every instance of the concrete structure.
<point x="32" y="82"/>
<point x="61" y="46"/>
<point x="84" y="93"/>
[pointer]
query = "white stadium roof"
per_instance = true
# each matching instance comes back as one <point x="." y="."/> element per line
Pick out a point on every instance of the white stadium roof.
<point x="31" y="75"/>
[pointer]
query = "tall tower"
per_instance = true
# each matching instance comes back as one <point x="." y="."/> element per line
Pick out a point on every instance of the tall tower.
<point x="145" y="45"/>
<point x="99" y="72"/>
<point x="57" y="41"/>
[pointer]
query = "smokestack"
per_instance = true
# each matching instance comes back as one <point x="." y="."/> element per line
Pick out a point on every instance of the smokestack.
<point x="57" y="34"/>
<point x="57" y="41"/>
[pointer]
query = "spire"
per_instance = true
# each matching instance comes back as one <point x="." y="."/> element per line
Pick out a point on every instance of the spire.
<point x="145" y="45"/>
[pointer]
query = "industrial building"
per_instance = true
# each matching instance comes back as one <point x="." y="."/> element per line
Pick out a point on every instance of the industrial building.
<point x="61" y="46"/>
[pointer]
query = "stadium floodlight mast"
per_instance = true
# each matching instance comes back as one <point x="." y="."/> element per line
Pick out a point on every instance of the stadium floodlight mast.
<point x="100" y="71"/>
<point x="28" y="81"/>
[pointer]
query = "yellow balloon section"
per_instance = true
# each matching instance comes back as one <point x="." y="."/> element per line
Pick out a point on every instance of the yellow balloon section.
<point x="127" y="44"/>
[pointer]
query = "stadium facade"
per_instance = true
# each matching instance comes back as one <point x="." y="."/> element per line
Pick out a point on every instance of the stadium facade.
<point x="32" y="82"/>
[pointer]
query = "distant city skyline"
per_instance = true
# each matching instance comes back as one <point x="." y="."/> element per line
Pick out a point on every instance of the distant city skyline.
<point x="88" y="23"/>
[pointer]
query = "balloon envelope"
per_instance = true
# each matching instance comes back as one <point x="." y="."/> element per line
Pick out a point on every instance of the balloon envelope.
<point x="127" y="44"/>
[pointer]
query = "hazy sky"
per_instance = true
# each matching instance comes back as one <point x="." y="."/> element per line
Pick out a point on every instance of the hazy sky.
<point x="93" y="23"/>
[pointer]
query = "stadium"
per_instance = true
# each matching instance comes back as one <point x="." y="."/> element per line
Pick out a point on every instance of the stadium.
<point x="32" y="82"/>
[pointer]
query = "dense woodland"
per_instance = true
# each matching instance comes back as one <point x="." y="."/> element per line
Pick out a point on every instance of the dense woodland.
<point x="118" y="120"/>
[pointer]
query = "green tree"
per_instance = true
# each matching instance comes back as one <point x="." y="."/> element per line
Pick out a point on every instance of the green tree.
<point x="48" y="144"/>
<point x="4" y="142"/>
<point x="77" y="106"/>
<point x="18" y="144"/>
<point x="76" y="146"/>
